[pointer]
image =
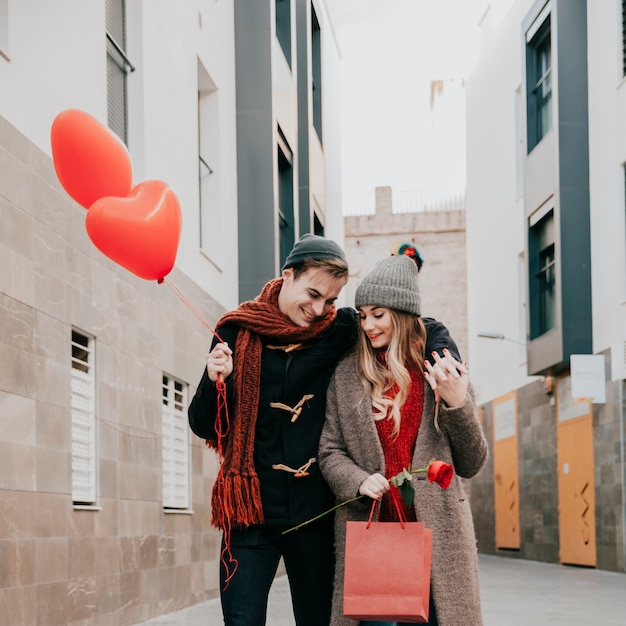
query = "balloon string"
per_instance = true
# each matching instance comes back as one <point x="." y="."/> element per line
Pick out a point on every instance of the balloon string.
<point x="221" y="387"/>
<point x="227" y="557"/>
<point x="195" y="311"/>
<point x="222" y="427"/>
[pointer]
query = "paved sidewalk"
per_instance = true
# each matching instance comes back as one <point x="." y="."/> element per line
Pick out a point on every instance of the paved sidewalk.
<point x="514" y="592"/>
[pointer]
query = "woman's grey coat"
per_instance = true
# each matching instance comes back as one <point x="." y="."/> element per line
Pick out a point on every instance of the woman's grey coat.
<point x="350" y="451"/>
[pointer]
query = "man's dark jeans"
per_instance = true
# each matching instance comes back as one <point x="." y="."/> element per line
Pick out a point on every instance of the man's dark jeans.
<point x="308" y="554"/>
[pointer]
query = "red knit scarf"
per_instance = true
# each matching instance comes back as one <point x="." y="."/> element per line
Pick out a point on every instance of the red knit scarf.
<point x="398" y="450"/>
<point x="236" y="499"/>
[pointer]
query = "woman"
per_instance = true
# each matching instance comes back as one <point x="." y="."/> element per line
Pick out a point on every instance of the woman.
<point x="389" y="409"/>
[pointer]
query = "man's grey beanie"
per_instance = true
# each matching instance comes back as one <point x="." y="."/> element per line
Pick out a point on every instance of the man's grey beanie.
<point x="313" y="247"/>
<point x="392" y="284"/>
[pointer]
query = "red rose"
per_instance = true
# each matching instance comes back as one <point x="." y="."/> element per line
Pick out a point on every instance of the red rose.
<point x="440" y="473"/>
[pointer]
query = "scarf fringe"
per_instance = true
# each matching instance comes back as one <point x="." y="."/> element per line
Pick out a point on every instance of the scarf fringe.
<point x="236" y="502"/>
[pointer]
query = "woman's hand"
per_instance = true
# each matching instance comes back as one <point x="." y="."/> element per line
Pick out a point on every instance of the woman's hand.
<point x="219" y="362"/>
<point x="374" y="486"/>
<point x="448" y="378"/>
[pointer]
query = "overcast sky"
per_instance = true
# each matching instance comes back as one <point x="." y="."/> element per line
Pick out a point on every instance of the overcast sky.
<point x="391" y="51"/>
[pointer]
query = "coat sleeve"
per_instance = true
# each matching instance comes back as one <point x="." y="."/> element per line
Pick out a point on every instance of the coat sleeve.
<point x="342" y="474"/>
<point x="202" y="410"/>
<point x="468" y="443"/>
<point x="437" y="338"/>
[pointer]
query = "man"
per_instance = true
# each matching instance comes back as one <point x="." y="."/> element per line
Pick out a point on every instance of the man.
<point x="275" y="355"/>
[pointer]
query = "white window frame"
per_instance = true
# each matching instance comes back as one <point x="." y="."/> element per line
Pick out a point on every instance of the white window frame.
<point x="212" y="244"/>
<point x="83" y="416"/>
<point x="175" y="444"/>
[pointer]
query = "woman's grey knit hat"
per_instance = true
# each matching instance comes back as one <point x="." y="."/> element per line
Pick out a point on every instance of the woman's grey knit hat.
<point x="392" y="284"/>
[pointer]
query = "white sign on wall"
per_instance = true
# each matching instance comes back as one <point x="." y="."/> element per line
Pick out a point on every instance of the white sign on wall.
<point x="588" y="377"/>
<point x="504" y="419"/>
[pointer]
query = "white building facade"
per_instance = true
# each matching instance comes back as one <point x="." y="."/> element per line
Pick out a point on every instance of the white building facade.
<point x="546" y="241"/>
<point x="105" y="493"/>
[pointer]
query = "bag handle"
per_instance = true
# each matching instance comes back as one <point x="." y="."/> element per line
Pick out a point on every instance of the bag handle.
<point x="369" y="520"/>
<point x="394" y="497"/>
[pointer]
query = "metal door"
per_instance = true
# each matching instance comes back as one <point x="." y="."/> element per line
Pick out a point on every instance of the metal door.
<point x="506" y="472"/>
<point x="577" y="525"/>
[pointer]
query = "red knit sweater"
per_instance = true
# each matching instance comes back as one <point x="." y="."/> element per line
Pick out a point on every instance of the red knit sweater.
<point x="399" y="451"/>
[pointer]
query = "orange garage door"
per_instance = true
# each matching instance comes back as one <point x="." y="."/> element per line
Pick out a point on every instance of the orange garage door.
<point x="506" y="472"/>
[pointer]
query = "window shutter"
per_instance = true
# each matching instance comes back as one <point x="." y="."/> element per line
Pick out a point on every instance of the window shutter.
<point x="83" y="421"/>
<point x="175" y="438"/>
<point x="116" y="67"/>
<point x="116" y="98"/>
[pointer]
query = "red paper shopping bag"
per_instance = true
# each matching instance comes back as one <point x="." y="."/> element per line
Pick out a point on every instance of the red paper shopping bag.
<point x="387" y="571"/>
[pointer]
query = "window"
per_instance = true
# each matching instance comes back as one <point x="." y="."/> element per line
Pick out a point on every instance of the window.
<point x="175" y="444"/>
<point x="318" y="227"/>
<point x="211" y="239"/>
<point x="4" y="28"/>
<point x="285" y="198"/>
<point x="83" y="414"/>
<point x="542" y="275"/>
<point x="521" y="318"/>
<point x="283" y="27"/>
<point x="519" y="143"/>
<point x="539" y="78"/>
<point x="316" y="71"/>
<point x="118" y="68"/>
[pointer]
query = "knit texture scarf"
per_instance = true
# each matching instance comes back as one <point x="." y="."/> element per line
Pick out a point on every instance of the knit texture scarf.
<point x="398" y="451"/>
<point x="236" y="498"/>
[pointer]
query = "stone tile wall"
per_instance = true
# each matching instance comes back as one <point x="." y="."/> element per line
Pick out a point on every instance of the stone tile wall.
<point x="538" y="479"/>
<point x="609" y="442"/>
<point x="128" y="560"/>
<point x="481" y="490"/>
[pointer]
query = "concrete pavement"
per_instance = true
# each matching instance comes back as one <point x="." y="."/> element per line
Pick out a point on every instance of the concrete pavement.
<point x="514" y="593"/>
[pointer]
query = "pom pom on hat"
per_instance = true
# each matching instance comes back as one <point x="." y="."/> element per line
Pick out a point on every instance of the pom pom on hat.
<point x="313" y="247"/>
<point x="393" y="284"/>
<point x="412" y="252"/>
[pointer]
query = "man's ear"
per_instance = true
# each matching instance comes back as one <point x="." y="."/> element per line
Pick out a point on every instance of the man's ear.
<point x="287" y="273"/>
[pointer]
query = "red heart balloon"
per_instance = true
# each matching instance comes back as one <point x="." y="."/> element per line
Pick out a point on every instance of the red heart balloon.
<point x="90" y="160"/>
<point x="140" y="232"/>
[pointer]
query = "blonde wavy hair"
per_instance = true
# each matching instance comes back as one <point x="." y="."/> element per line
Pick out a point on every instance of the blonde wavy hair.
<point x="407" y="346"/>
